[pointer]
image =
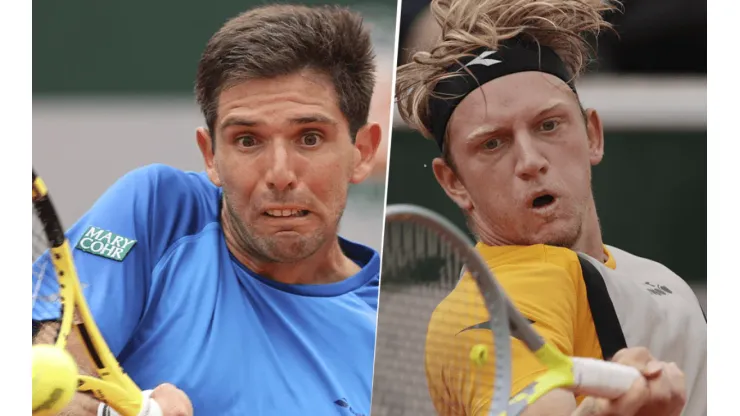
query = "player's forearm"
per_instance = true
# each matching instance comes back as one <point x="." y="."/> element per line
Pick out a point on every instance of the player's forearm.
<point x="587" y="408"/>
<point x="81" y="405"/>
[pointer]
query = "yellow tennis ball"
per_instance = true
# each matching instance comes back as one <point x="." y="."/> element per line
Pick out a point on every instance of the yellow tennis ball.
<point x="54" y="379"/>
<point x="479" y="354"/>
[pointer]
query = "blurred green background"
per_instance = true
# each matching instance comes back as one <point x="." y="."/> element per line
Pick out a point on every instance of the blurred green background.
<point x="143" y="47"/>
<point x="112" y="91"/>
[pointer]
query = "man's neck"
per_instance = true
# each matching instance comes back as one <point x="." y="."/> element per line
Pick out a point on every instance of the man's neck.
<point x="590" y="241"/>
<point x="327" y="265"/>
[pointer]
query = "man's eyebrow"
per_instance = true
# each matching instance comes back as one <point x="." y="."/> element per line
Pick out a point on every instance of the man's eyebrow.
<point x="238" y="121"/>
<point x="556" y="105"/>
<point x="485" y="130"/>
<point x="307" y="119"/>
<point x="314" y="118"/>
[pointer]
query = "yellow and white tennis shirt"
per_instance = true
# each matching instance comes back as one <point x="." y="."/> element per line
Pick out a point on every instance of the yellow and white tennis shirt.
<point x="583" y="307"/>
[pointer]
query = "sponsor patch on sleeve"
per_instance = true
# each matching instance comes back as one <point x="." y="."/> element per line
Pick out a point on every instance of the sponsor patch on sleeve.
<point x="105" y="243"/>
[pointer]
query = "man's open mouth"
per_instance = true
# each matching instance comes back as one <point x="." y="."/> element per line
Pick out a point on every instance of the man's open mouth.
<point x="279" y="213"/>
<point x="543" y="201"/>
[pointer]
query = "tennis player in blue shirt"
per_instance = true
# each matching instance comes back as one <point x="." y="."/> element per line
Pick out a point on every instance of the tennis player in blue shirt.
<point x="229" y="292"/>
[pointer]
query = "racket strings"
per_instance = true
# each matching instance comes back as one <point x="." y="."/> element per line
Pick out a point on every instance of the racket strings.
<point x="45" y="290"/>
<point x="414" y="252"/>
<point x="420" y="270"/>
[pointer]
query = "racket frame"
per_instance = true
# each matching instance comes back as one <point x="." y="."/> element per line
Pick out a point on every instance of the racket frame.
<point x="114" y="387"/>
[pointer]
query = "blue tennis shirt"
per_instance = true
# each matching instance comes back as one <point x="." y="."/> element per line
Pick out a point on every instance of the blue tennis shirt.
<point x="175" y="306"/>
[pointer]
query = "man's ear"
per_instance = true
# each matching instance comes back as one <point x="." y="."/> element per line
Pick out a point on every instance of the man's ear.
<point x="595" y="132"/>
<point x="451" y="183"/>
<point x="367" y="142"/>
<point x="206" y="146"/>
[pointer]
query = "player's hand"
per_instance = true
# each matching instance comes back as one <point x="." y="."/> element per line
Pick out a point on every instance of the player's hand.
<point x="172" y="401"/>
<point x="661" y="390"/>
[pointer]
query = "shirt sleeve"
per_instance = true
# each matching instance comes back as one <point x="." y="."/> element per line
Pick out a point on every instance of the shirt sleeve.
<point x="545" y="294"/>
<point x="115" y="246"/>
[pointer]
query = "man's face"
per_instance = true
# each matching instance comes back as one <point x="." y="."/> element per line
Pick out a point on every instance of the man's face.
<point x="284" y="158"/>
<point x="523" y="155"/>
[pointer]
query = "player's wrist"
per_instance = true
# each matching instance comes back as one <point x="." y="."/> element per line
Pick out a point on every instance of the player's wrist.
<point x="590" y="406"/>
<point x="149" y="407"/>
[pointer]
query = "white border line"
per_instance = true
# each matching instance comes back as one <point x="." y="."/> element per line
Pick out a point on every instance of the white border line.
<point x="723" y="222"/>
<point x="15" y="360"/>
<point x="385" y="192"/>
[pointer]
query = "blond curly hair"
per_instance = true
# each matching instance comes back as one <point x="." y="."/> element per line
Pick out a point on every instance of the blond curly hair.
<point x="470" y="24"/>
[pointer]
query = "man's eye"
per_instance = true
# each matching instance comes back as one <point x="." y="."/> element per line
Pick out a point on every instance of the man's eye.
<point x="549" y="125"/>
<point x="491" y="144"/>
<point x="247" y="141"/>
<point x="310" y="139"/>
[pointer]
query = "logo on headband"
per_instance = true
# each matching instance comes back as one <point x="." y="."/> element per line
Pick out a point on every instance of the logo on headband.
<point x="481" y="59"/>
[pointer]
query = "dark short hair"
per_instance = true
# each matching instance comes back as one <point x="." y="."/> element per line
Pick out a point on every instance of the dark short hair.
<point x="278" y="40"/>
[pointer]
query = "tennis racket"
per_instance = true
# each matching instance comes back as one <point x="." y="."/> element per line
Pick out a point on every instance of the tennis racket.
<point x="423" y="255"/>
<point x="53" y="267"/>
